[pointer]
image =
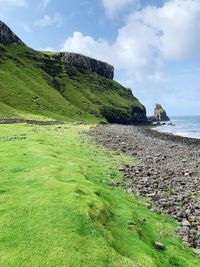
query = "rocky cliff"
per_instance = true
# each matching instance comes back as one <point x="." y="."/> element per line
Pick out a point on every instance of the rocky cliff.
<point x="82" y="62"/>
<point x="7" y="36"/>
<point x="79" y="61"/>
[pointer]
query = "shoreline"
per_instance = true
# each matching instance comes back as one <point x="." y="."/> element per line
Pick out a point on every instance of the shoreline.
<point x="168" y="175"/>
<point x="169" y="137"/>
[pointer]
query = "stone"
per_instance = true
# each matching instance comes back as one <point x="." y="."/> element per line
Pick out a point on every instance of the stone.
<point x="142" y="220"/>
<point x="159" y="245"/>
<point x="185" y="223"/>
<point x="196" y="251"/>
<point x="147" y="205"/>
<point x="181" y="214"/>
<point x="129" y="191"/>
<point x="191" y="218"/>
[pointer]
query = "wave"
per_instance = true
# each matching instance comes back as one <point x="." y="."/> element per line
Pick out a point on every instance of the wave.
<point x="187" y="126"/>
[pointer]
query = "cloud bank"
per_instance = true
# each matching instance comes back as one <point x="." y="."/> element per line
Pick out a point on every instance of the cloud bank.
<point x="150" y="37"/>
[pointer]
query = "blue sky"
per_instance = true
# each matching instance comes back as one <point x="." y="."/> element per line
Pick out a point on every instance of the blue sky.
<point x="153" y="44"/>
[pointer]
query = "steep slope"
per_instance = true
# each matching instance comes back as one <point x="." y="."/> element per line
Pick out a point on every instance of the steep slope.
<point x="63" y="86"/>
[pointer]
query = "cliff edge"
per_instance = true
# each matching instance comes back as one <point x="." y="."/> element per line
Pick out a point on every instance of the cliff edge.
<point x="82" y="62"/>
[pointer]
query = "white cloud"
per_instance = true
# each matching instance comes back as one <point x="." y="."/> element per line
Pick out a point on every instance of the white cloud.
<point x="176" y="26"/>
<point x="150" y="37"/>
<point x="113" y="7"/>
<point x="87" y="45"/>
<point x="12" y="3"/>
<point x="48" y="20"/>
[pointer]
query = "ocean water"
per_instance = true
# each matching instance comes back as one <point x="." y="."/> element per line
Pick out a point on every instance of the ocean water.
<point x="188" y="126"/>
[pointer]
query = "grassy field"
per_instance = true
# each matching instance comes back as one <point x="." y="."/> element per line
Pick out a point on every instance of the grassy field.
<point x="58" y="209"/>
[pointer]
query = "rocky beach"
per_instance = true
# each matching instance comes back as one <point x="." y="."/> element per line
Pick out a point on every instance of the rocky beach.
<point x="167" y="175"/>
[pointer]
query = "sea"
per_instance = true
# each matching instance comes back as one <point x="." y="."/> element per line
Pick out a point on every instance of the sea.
<point x="187" y="126"/>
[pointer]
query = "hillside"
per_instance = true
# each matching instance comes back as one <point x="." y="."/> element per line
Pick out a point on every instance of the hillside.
<point x="64" y="86"/>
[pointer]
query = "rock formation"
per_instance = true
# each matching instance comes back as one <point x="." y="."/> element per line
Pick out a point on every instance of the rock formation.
<point x="159" y="114"/>
<point x="7" y="36"/>
<point x="82" y="62"/>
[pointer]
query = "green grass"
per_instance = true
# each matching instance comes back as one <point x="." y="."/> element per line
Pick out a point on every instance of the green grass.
<point x="32" y="84"/>
<point x="58" y="209"/>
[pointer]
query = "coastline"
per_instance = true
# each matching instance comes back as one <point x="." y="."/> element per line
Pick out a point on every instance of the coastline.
<point x="169" y="137"/>
<point x="168" y="175"/>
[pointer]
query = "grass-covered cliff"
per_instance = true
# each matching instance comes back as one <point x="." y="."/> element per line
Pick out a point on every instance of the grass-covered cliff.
<point x="41" y="84"/>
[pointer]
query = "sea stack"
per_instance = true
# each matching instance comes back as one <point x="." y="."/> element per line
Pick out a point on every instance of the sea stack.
<point x="160" y="114"/>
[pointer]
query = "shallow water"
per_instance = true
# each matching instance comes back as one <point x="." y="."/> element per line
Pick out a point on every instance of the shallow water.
<point x="188" y="126"/>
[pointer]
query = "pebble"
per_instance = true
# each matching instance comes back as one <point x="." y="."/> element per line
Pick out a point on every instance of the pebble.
<point x="185" y="223"/>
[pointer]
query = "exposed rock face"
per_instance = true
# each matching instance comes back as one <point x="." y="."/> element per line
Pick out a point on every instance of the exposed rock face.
<point x="86" y="63"/>
<point x="7" y="36"/>
<point x="160" y="114"/>
<point x="129" y="116"/>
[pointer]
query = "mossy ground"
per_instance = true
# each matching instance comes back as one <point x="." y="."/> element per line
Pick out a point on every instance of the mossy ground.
<point x="58" y="209"/>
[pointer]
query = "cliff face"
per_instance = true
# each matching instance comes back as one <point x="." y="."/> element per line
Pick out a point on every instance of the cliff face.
<point x="7" y="36"/>
<point x="82" y="62"/>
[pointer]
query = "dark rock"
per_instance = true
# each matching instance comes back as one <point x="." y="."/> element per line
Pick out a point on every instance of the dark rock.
<point x="82" y="62"/>
<point x="159" y="245"/>
<point x="159" y="115"/>
<point x="7" y="36"/>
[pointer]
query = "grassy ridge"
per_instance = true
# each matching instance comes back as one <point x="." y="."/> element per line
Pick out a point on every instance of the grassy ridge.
<point x="58" y="209"/>
<point x="34" y="83"/>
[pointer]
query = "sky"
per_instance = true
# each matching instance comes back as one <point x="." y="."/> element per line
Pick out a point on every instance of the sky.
<point x="153" y="44"/>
